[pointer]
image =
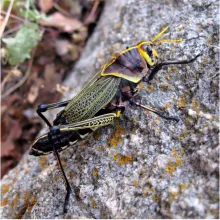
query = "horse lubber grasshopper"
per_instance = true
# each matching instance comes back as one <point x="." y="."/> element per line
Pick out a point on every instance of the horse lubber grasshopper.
<point x="102" y="99"/>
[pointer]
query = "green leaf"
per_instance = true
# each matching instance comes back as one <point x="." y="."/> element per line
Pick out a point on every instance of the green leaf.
<point x="20" y="46"/>
<point x="32" y="14"/>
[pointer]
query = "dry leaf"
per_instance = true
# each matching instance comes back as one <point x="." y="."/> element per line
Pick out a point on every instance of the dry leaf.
<point x="62" y="47"/>
<point x="33" y="94"/>
<point x="45" y="6"/>
<point x="59" y="21"/>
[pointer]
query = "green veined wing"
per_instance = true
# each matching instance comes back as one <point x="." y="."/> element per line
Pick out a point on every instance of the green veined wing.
<point x="91" y="99"/>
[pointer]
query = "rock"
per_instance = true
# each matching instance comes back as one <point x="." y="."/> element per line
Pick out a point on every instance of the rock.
<point x="157" y="169"/>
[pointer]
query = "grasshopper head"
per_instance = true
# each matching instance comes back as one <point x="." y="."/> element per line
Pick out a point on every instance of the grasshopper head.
<point x="148" y="53"/>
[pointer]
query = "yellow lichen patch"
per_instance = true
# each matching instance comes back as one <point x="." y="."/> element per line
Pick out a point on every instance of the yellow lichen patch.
<point x="135" y="183"/>
<point x="26" y="196"/>
<point x="151" y="191"/>
<point x="57" y="177"/>
<point x="15" y="200"/>
<point x="172" y="69"/>
<point x="100" y="148"/>
<point x="182" y="102"/>
<point x="70" y="174"/>
<point x="147" y="192"/>
<point x="195" y="106"/>
<point x="117" y="156"/>
<point x="93" y="203"/>
<point x="171" y="165"/>
<point x="43" y="160"/>
<point x="182" y="187"/>
<point x="32" y="203"/>
<point x="95" y="173"/>
<point x="119" y="131"/>
<point x="183" y="135"/>
<point x="155" y="197"/>
<point x="113" y="142"/>
<point x="141" y="86"/>
<point x="167" y="106"/>
<point x="5" y="188"/>
<point x="125" y="160"/>
<point x="172" y="196"/>
<point x="64" y="164"/>
<point x="164" y="86"/>
<point x="115" y="139"/>
<point x="168" y="78"/>
<point x="84" y="143"/>
<point x="4" y="202"/>
<point x="122" y="159"/>
<point x="150" y="88"/>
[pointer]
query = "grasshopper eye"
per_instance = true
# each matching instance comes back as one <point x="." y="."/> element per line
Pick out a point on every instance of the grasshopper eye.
<point x="149" y="50"/>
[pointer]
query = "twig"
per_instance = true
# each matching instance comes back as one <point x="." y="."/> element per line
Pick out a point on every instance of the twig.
<point x="61" y="10"/>
<point x="11" y="30"/>
<point x="13" y="16"/>
<point x="2" y="28"/>
<point x="92" y="13"/>
<point x="16" y="86"/>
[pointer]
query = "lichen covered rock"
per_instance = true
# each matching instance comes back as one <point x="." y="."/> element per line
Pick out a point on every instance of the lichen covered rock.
<point x="142" y="166"/>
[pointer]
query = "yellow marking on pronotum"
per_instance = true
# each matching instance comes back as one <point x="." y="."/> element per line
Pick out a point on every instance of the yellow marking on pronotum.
<point x="146" y="56"/>
<point x="120" y="75"/>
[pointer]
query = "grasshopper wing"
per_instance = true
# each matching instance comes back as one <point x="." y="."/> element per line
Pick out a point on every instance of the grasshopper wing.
<point x="90" y="100"/>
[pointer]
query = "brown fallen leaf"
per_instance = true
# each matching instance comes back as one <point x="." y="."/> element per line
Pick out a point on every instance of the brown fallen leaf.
<point x="33" y="94"/>
<point x="45" y="6"/>
<point x="59" y="21"/>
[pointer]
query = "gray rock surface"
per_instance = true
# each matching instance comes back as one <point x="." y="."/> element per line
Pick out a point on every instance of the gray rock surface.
<point x="142" y="166"/>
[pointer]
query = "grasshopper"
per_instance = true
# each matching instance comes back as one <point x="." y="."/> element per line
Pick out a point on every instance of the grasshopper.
<point x="102" y="99"/>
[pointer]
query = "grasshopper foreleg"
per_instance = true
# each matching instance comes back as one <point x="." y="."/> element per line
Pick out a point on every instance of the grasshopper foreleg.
<point x="159" y="66"/>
